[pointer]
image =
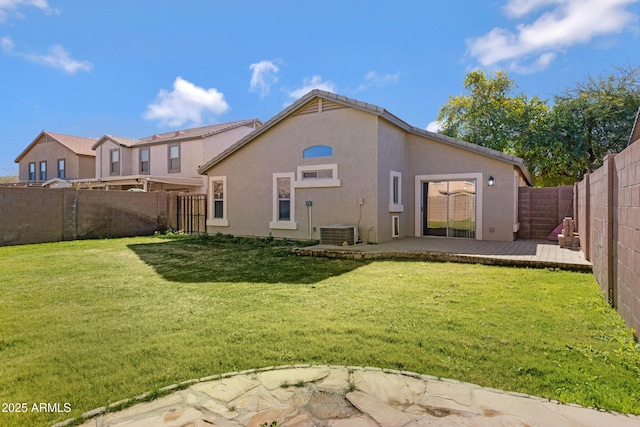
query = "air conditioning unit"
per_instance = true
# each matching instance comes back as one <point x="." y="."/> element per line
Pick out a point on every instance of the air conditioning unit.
<point x="338" y="234"/>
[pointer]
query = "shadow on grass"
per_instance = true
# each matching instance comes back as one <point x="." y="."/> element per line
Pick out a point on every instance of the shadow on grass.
<point x="229" y="259"/>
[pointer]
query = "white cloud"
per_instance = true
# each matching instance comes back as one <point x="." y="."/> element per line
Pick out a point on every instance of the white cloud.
<point x="58" y="57"/>
<point x="7" y="45"/>
<point x="185" y="104"/>
<point x="435" y="126"/>
<point x="310" y="84"/>
<point x="9" y="6"/>
<point x="561" y="25"/>
<point x="264" y="75"/>
<point x="373" y="79"/>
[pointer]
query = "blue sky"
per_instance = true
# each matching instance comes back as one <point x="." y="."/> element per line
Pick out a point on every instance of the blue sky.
<point x="134" y="68"/>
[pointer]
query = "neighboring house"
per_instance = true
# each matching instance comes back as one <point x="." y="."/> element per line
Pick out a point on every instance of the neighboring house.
<point x="56" y="156"/>
<point x="166" y="161"/>
<point x="328" y="159"/>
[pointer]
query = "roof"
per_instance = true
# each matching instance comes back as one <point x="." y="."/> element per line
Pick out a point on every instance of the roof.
<point x="635" y="131"/>
<point x="77" y="144"/>
<point x="178" y="135"/>
<point x="373" y="109"/>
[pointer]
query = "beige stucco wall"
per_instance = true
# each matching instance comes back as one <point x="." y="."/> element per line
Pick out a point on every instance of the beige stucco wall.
<point x="366" y="148"/>
<point x="430" y="157"/>
<point x="392" y="156"/>
<point x="103" y="160"/>
<point x="50" y="151"/>
<point x="249" y="172"/>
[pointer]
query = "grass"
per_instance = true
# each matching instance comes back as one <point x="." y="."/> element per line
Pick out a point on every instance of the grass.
<point x="92" y="322"/>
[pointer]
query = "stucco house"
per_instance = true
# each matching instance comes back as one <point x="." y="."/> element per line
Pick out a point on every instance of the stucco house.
<point x="330" y="167"/>
<point x="56" y="156"/>
<point x="165" y="161"/>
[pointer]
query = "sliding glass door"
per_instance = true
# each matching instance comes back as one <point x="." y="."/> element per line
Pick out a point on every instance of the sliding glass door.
<point x="449" y="208"/>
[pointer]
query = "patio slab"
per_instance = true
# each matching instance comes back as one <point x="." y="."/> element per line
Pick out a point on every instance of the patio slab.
<point x="523" y="253"/>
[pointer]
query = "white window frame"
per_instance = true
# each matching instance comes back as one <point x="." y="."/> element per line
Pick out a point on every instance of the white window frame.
<point x="218" y="222"/>
<point x="395" y="232"/>
<point x="395" y="205"/>
<point x="316" y="182"/>
<point x="275" y="223"/>
<point x="148" y="161"/>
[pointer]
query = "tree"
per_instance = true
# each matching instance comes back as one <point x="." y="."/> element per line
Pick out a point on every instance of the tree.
<point x="589" y="121"/>
<point x="489" y="115"/>
<point x="559" y="143"/>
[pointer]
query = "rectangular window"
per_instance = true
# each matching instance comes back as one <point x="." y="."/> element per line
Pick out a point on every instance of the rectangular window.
<point x="32" y="171"/>
<point x="174" y="158"/>
<point x="114" y="168"/>
<point x="144" y="161"/>
<point x="320" y="174"/>
<point x="312" y="176"/>
<point x="284" y="199"/>
<point x="283" y="202"/>
<point x="395" y="226"/>
<point x="61" y="169"/>
<point x="43" y="171"/>
<point x="218" y="197"/>
<point x="395" y="192"/>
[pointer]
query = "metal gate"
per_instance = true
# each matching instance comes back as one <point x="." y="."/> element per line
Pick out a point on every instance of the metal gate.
<point x="192" y="213"/>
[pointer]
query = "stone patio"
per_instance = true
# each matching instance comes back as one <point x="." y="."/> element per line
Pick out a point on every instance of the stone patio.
<point x="333" y="396"/>
<point x="524" y="253"/>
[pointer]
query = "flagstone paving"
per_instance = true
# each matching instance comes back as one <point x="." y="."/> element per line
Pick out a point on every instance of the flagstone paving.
<point x="332" y="396"/>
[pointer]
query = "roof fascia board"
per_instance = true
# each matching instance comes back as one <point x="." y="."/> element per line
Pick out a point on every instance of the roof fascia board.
<point x="30" y="146"/>
<point x="373" y="109"/>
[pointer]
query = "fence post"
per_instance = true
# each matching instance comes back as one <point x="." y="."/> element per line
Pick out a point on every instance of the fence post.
<point x="609" y="163"/>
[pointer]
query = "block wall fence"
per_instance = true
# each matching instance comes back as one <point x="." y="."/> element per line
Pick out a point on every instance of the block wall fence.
<point x="541" y="210"/>
<point x="37" y="215"/>
<point x="608" y="219"/>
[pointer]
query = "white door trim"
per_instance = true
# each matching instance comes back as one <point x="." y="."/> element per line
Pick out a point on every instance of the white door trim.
<point x="448" y="177"/>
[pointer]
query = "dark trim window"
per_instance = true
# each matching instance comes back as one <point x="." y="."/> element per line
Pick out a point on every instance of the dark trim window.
<point x="114" y="157"/>
<point x="32" y="171"/>
<point x="62" y="173"/>
<point x="43" y="171"/>
<point x="144" y="161"/>
<point x="174" y="158"/>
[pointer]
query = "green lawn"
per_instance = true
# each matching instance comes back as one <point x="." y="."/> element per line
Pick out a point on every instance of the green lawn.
<point x="93" y="322"/>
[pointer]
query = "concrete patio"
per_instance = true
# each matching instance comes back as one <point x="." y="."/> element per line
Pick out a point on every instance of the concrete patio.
<point x="523" y="253"/>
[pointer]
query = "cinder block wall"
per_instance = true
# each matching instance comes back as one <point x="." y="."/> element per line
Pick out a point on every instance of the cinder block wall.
<point x="610" y="229"/>
<point x="540" y="210"/>
<point x="37" y="215"/>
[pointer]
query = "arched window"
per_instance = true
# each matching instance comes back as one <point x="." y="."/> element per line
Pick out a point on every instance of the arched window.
<point x="317" y="151"/>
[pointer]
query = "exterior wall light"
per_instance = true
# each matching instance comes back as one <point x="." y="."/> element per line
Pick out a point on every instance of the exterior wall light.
<point x="491" y="182"/>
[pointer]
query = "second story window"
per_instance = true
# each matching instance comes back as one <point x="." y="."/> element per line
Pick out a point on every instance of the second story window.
<point x="114" y="168"/>
<point x="43" y="171"/>
<point x="32" y="171"/>
<point x="144" y="160"/>
<point x="61" y="169"/>
<point x="174" y="158"/>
